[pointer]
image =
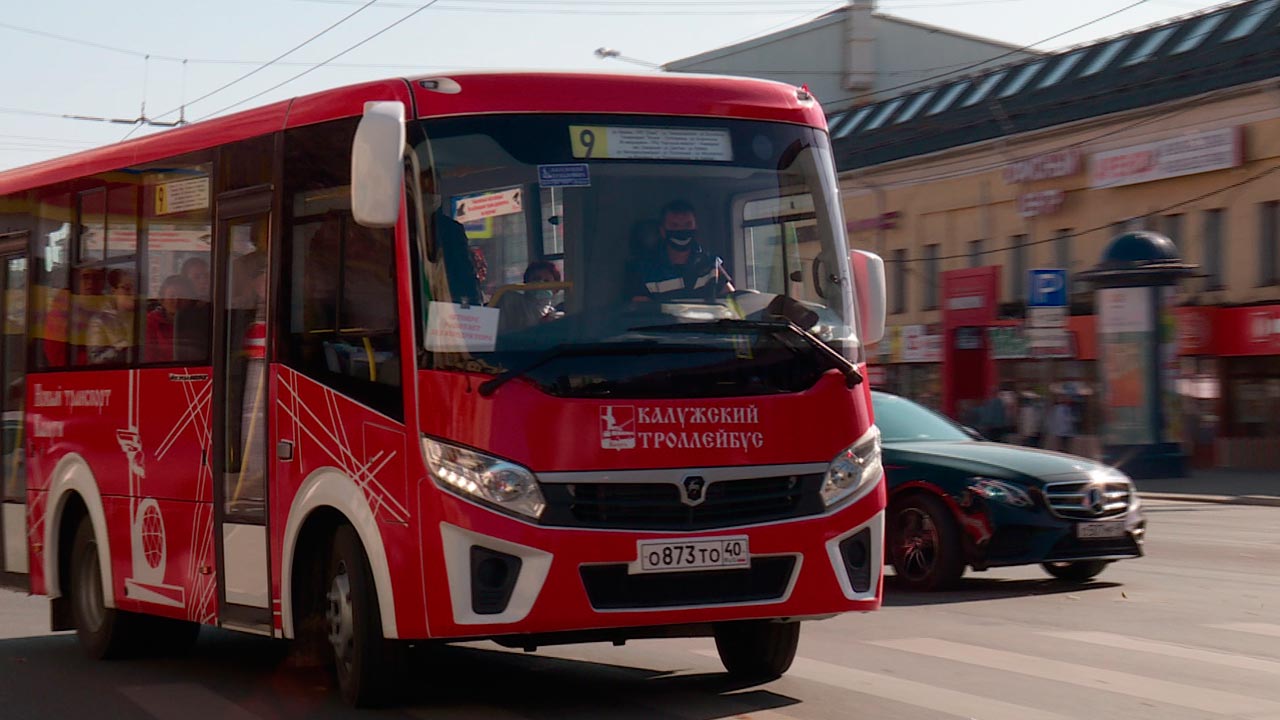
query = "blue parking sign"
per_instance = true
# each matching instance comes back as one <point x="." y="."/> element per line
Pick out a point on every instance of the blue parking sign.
<point x="1048" y="288"/>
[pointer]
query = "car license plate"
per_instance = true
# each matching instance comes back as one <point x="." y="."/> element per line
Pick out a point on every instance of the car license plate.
<point x="720" y="553"/>
<point x="1100" y="529"/>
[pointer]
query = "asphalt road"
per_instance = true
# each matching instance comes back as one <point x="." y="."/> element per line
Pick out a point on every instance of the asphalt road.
<point x="1192" y="631"/>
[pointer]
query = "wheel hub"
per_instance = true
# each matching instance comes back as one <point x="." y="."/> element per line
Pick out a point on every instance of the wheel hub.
<point x="917" y="542"/>
<point x="340" y="617"/>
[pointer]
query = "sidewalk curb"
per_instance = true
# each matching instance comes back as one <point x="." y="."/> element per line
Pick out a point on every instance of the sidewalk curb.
<point x="1259" y="500"/>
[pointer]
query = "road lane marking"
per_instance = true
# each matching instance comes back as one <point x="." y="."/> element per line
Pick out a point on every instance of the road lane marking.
<point x="909" y="692"/>
<point x="1173" y="650"/>
<point x="171" y="700"/>
<point x="1163" y="691"/>
<point x="1255" y="628"/>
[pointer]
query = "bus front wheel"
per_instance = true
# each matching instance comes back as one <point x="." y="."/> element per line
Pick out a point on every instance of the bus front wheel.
<point x="363" y="659"/>
<point x="757" y="650"/>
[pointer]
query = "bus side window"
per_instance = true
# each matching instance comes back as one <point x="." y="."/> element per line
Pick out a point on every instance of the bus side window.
<point x="340" y="301"/>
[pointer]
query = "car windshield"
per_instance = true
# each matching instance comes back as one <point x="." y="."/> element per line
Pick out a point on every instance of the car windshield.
<point x="615" y="256"/>
<point x="901" y="420"/>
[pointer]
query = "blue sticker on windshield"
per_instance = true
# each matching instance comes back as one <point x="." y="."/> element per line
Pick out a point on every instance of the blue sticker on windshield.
<point x="565" y="175"/>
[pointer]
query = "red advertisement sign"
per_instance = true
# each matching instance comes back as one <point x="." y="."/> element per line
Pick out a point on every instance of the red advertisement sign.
<point x="969" y="295"/>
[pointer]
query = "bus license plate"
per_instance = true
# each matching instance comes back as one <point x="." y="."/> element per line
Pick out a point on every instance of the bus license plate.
<point x="1100" y="529"/>
<point x="721" y="553"/>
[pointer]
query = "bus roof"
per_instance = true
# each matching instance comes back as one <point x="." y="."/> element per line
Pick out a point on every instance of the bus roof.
<point x="473" y="92"/>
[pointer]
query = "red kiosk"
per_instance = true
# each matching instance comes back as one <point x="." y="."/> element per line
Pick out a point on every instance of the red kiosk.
<point x="970" y="298"/>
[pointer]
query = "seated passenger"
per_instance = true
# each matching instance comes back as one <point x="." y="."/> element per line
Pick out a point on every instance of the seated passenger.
<point x="175" y="293"/>
<point x="110" y="332"/>
<point x="523" y="308"/>
<point x="680" y="268"/>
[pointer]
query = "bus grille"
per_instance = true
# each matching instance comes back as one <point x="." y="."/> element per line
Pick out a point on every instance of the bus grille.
<point x="660" y="506"/>
<point x="610" y="587"/>
<point x="1088" y="500"/>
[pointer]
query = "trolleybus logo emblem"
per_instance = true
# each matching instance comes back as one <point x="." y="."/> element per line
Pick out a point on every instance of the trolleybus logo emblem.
<point x="618" y="427"/>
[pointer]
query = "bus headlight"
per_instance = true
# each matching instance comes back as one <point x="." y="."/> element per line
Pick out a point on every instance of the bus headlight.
<point x="855" y="470"/>
<point x="496" y="482"/>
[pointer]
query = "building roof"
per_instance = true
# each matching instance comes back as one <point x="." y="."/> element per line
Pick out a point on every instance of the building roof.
<point x="835" y="16"/>
<point x="1220" y="48"/>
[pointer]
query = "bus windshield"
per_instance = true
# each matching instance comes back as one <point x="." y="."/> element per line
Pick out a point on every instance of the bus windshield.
<point x="632" y="256"/>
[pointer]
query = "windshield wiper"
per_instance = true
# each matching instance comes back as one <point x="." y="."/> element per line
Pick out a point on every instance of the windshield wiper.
<point x="488" y="387"/>
<point x="851" y="375"/>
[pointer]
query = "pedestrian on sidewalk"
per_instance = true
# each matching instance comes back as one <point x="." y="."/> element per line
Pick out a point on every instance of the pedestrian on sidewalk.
<point x="1030" y="421"/>
<point x="1062" y="424"/>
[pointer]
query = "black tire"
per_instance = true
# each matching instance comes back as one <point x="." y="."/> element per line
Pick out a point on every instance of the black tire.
<point x="757" y="650"/>
<point x="1076" y="570"/>
<point x="364" y="662"/>
<point x="924" y="544"/>
<point x="105" y="633"/>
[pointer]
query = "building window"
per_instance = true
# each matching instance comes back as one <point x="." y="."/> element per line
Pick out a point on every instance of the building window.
<point x="1062" y="249"/>
<point x="1212" y="251"/>
<point x="975" y="253"/>
<point x="931" y="276"/>
<point x="1268" y="252"/>
<point x="1171" y="227"/>
<point x="1018" y="268"/>
<point x="900" y="280"/>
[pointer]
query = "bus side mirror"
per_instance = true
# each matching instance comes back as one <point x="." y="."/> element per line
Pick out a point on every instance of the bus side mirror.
<point x="869" y="294"/>
<point x="377" y="170"/>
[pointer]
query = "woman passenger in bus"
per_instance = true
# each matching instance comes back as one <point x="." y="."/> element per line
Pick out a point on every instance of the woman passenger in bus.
<point x="110" y="333"/>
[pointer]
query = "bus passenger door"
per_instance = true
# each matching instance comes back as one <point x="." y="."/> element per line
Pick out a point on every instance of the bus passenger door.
<point x="241" y="459"/>
<point x="13" y="481"/>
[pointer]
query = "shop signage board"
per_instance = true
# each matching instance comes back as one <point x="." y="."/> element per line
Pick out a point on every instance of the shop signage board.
<point x="1188" y="154"/>
<point x="1061" y="163"/>
<point x="1041" y="202"/>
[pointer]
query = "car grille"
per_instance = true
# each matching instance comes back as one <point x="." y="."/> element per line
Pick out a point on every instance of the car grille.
<point x="658" y="505"/>
<point x="1088" y="499"/>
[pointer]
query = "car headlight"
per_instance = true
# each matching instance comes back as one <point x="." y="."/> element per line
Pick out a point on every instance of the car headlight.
<point x="855" y="470"/>
<point x="497" y="482"/>
<point x="1000" y="491"/>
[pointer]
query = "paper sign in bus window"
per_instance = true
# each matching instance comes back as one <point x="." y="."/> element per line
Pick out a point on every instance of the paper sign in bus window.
<point x="650" y="143"/>
<point x="453" y="328"/>
<point x="470" y="208"/>
<point x="181" y="196"/>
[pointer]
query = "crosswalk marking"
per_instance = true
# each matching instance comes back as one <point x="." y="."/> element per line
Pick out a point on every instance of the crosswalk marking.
<point x="1203" y="699"/>
<point x="909" y="692"/>
<point x="1256" y="628"/>
<point x="1214" y="657"/>
<point x="172" y="700"/>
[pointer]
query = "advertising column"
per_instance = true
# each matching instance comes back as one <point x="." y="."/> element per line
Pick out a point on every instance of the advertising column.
<point x="1137" y="345"/>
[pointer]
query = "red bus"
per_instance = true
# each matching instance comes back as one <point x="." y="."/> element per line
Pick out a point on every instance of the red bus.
<point x="539" y="358"/>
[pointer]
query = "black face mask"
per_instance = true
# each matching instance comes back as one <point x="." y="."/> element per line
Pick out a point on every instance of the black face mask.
<point x="681" y="239"/>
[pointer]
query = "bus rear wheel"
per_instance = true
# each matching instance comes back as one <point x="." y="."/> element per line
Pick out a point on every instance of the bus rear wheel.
<point x="757" y="650"/>
<point x="363" y="660"/>
<point x="104" y="632"/>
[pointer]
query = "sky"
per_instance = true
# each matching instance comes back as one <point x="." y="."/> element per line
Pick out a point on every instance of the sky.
<point x="90" y="57"/>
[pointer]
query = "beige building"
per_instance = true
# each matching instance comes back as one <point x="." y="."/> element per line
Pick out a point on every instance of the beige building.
<point x="1027" y="176"/>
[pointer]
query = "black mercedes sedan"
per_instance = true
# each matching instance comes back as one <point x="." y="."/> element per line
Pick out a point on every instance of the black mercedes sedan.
<point x="957" y="501"/>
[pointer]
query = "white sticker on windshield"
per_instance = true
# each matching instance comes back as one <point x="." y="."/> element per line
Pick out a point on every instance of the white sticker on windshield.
<point x="453" y="328"/>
